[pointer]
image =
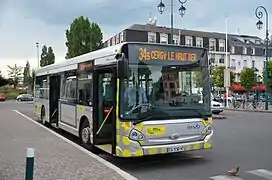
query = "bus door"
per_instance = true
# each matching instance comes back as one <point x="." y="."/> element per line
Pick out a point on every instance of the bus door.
<point x="104" y="109"/>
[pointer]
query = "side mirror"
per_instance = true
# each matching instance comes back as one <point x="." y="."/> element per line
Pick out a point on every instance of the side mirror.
<point x="122" y="66"/>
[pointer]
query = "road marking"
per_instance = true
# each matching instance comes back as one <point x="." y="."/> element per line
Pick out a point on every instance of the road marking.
<point x="224" y="177"/>
<point x="261" y="173"/>
<point x="103" y="161"/>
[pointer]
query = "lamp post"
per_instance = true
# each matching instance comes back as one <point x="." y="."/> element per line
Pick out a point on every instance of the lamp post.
<point x="259" y="14"/>
<point x="181" y="10"/>
<point x="38" y="54"/>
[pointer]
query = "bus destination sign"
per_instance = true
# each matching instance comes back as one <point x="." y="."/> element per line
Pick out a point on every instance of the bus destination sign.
<point x="146" y="54"/>
<point x="86" y="66"/>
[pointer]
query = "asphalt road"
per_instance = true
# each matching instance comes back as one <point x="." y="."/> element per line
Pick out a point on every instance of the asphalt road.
<point x="243" y="139"/>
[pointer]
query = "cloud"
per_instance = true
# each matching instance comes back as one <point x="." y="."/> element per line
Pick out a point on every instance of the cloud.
<point x="25" y="22"/>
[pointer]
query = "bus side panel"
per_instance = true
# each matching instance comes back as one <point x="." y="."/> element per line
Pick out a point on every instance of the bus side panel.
<point x="85" y="112"/>
<point x="38" y="107"/>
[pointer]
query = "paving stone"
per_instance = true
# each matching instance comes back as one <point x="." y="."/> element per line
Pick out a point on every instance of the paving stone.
<point x="55" y="159"/>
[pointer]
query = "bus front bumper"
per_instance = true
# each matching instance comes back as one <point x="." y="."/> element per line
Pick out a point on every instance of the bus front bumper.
<point x="137" y="150"/>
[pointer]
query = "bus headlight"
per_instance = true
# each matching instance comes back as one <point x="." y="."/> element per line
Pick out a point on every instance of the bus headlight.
<point x="207" y="130"/>
<point x="136" y="135"/>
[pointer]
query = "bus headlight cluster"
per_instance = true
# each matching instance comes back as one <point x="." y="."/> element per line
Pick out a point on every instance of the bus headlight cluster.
<point x="136" y="135"/>
<point x="207" y="130"/>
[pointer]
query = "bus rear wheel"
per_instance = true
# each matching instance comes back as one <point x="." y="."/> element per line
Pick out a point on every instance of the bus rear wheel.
<point x="84" y="136"/>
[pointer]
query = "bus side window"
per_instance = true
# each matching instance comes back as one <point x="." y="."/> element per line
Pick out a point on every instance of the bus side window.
<point x="70" y="87"/>
<point x="84" y="93"/>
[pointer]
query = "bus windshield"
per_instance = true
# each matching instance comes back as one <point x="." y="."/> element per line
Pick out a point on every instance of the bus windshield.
<point x="164" y="92"/>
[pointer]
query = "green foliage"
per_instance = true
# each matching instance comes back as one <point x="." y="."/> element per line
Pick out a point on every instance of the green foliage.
<point x="26" y="74"/>
<point x="11" y="94"/>
<point x="218" y="76"/>
<point x="3" y="81"/>
<point x="82" y="37"/>
<point x="47" y="56"/>
<point x="14" y="73"/>
<point x="269" y="75"/>
<point x="198" y="79"/>
<point x="248" y="78"/>
<point x="32" y="80"/>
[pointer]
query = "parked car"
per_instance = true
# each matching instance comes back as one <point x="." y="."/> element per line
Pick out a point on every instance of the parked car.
<point x="24" y="97"/>
<point x="216" y="107"/>
<point x="2" y="97"/>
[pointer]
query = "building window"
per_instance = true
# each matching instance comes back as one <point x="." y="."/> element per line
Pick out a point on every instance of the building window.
<point x="252" y="51"/>
<point x="151" y="37"/>
<point x="232" y="49"/>
<point x="199" y="42"/>
<point x="244" y="50"/>
<point x="257" y="41"/>
<point x="117" y="39"/>
<point x="239" y="63"/>
<point x="176" y="39"/>
<point x="122" y="36"/>
<point x="222" y="45"/>
<point x="212" y="58"/>
<point x="189" y="41"/>
<point x="222" y="59"/>
<point x="113" y="41"/>
<point x="163" y="38"/>
<point x="245" y="64"/>
<point x="253" y="64"/>
<point x="212" y="44"/>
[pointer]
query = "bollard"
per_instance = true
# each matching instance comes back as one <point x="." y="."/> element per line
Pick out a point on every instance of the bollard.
<point x="29" y="164"/>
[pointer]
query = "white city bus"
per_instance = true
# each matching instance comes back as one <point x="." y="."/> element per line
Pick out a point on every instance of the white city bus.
<point x="132" y="99"/>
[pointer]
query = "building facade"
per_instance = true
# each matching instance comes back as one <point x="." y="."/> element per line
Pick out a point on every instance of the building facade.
<point x="242" y="51"/>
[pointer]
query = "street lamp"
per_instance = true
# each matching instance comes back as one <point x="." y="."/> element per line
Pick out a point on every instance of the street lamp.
<point x="38" y="54"/>
<point x="259" y="14"/>
<point x="181" y="10"/>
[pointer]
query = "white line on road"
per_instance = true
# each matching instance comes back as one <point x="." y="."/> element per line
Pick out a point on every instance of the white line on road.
<point x="261" y="173"/>
<point x="103" y="161"/>
<point x="224" y="177"/>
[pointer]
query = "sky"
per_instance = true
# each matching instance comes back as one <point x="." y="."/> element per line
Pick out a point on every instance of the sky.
<point x="25" y="22"/>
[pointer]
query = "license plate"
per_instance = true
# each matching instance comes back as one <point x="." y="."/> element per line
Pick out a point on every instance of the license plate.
<point x="175" y="149"/>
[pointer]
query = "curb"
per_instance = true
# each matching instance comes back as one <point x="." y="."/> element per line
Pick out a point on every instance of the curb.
<point x="244" y="110"/>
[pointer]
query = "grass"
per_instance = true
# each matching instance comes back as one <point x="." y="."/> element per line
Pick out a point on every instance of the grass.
<point x="11" y="93"/>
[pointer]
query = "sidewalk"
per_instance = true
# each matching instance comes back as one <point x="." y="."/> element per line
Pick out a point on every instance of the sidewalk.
<point x="55" y="157"/>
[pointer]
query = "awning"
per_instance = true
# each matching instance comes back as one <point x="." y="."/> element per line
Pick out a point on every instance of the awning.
<point x="260" y="87"/>
<point x="237" y="87"/>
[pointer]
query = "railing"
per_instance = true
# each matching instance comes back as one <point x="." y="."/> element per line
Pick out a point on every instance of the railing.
<point x="247" y="105"/>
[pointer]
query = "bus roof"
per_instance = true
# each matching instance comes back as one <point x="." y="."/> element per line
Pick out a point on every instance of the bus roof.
<point x="101" y="56"/>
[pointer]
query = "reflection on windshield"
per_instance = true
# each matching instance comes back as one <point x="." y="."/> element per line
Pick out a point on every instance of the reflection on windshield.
<point x="165" y="88"/>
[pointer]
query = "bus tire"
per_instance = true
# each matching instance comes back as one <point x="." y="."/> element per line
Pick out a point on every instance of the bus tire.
<point x="84" y="135"/>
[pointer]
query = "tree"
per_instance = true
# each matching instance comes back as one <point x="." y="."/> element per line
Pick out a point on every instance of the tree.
<point x="217" y="76"/>
<point x="50" y="56"/>
<point x="248" y="78"/>
<point x="269" y="74"/>
<point x="14" y="74"/>
<point x="3" y="81"/>
<point x="32" y="80"/>
<point x="47" y="56"/>
<point x="26" y="73"/>
<point x="82" y="37"/>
